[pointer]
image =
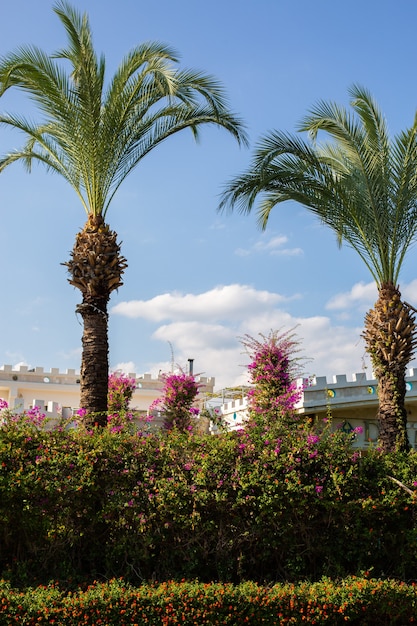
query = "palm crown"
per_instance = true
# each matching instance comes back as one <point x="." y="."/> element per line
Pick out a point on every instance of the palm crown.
<point x="359" y="183"/>
<point x="92" y="134"/>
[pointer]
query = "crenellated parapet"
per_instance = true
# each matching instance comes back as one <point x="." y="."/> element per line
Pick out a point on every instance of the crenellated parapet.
<point x="37" y="374"/>
<point x="147" y="381"/>
<point x="320" y="392"/>
<point x="24" y="388"/>
<point x="72" y="377"/>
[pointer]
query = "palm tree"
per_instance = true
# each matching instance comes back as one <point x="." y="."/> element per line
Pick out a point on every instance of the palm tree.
<point x="363" y="185"/>
<point x="94" y="135"/>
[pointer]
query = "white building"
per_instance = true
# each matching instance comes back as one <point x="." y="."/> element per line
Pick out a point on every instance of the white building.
<point x="350" y="404"/>
<point x="59" y="392"/>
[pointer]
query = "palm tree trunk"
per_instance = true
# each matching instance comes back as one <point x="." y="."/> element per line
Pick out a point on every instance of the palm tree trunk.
<point x="390" y="340"/>
<point x="392" y="414"/>
<point x="96" y="267"/>
<point x="94" y="363"/>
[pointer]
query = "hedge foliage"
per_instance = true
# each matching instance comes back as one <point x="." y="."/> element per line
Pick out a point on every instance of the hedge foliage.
<point x="262" y="505"/>
<point x="352" y="601"/>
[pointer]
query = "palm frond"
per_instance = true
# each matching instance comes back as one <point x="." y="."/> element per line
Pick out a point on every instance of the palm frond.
<point x="95" y="135"/>
<point x="358" y="182"/>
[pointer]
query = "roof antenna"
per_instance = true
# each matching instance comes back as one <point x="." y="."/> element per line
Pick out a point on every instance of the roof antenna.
<point x="172" y="357"/>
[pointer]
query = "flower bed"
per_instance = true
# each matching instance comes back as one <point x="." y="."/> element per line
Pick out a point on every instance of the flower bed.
<point x="358" y="601"/>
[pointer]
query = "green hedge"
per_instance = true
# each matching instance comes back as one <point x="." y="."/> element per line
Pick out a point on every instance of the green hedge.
<point x="352" y="601"/>
<point x="258" y="505"/>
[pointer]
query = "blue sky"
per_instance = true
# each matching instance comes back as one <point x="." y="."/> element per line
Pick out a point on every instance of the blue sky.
<point x="197" y="280"/>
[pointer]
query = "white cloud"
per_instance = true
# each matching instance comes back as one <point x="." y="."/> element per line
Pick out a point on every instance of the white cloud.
<point x="217" y="351"/>
<point x="242" y="252"/>
<point x="287" y="252"/>
<point x="218" y="225"/>
<point x="221" y="303"/>
<point x="16" y="359"/>
<point x="127" y="367"/>
<point x="17" y="366"/>
<point x="335" y="349"/>
<point x="207" y="328"/>
<point x="409" y="292"/>
<point x="362" y="295"/>
<point x="273" y="246"/>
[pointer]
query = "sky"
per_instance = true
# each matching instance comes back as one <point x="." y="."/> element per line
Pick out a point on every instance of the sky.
<point x="198" y="281"/>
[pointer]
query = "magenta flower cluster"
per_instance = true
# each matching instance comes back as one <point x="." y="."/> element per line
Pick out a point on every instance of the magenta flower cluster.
<point x="120" y="392"/>
<point x="176" y="403"/>
<point x="32" y="417"/>
<point x="274" y="393"/>
<point x="121" y="388"/>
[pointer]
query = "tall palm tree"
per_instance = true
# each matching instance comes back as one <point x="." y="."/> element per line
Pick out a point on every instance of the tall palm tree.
<point x="94" y="134"/>
<point x="363" y="185"/>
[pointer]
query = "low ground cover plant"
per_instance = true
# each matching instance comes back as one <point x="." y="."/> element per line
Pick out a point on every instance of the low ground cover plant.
<point x="360" y="601"/>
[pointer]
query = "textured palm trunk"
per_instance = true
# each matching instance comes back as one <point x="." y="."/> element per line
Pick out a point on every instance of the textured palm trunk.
<point x="390" y="340"/>
<point x="96" y="267"/>
<point x="94" y="371"/>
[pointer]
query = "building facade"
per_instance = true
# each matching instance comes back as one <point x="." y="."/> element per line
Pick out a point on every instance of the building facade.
<point x="349" y="404"/>
<point x="56" y="392"/>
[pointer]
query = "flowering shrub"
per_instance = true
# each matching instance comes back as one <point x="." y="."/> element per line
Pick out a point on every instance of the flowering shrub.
<point x="214" y="417"/>
<point x="32" y="418"/>
<point x="243" y="505"/>
<point x="115" y="603"/>
<point x="121" y="389"/>
<point x="268" y="504"/>
<point x="176" y="402"/>
<point x="272" y="373"/>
